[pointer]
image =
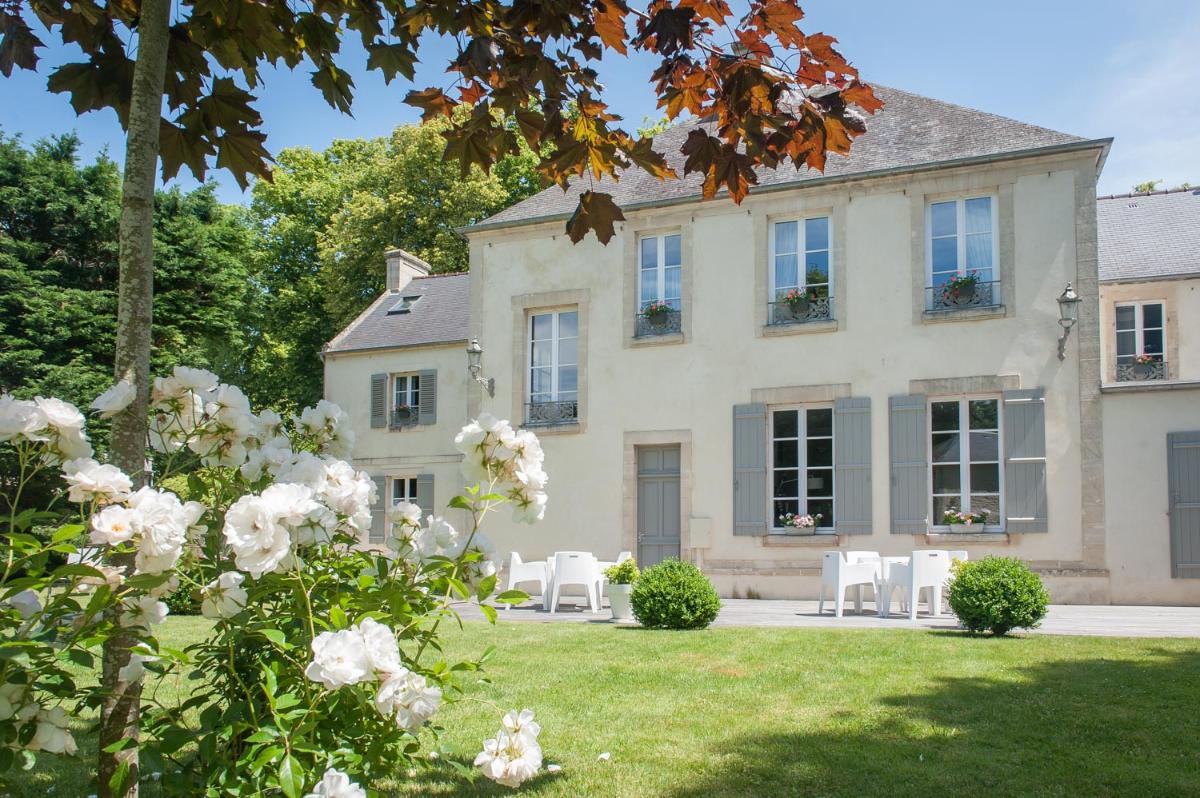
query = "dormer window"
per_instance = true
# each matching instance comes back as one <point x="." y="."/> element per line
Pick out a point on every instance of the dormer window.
<point x="405" y="305"/>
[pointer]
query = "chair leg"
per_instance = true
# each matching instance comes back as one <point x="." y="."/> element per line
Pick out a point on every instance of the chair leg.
<point x="883" y="600"/>
<point x="858" y="599"/>
<point x="839" y="600"/>
<point x="935" y="606"/>
<point x="592" y="599"/>
<point x="553" y="599"/>
<point x="914" y="595"/>
<point x="821" y="600"/>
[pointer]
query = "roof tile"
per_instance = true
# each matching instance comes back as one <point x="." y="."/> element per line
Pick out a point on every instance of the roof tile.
<point x="1149" y="236"/>
<point x="911" y="130"/>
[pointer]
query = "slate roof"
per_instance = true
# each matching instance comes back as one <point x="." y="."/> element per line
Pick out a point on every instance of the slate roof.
<point x="910" y="131"/>
<point x="439" y="316"/>
<point x="1149" y="236"/>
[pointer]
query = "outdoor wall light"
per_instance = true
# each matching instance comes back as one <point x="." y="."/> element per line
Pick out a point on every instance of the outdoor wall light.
<point x="475" y="366"/>
<point x="1068" y="314"/>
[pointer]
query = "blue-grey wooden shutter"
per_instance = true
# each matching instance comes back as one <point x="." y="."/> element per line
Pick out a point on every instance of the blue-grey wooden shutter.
<point x="852" y="466"/>
<point x="909" y="461"/>
<point x="1183" y="485"/>
<point x="379" y="511"/>
<point x="750" y="469"/>
<point x="424" y="498"/>
<point x="1025" y="460"/>
<point x="428" y="408"/>
<point x="379" y="400"/>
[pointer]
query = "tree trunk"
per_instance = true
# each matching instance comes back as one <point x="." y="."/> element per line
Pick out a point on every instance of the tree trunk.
<point x="119" y="712"/>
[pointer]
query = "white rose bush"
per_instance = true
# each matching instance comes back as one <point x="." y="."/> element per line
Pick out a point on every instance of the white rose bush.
<point x="323" y="669"/>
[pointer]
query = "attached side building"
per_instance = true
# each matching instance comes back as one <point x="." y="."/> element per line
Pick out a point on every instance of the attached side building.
<point x="1150" y="328"/>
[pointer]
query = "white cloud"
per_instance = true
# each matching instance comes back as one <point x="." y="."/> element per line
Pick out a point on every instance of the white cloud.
<point x="1150" y="104"/>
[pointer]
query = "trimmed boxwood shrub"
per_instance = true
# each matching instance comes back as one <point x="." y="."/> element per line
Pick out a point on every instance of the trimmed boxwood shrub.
<point x="997" y="594"/>
<point x="674" y="595"/>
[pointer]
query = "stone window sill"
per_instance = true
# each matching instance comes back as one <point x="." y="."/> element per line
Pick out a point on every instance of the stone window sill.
<point x="1149" y="385"/>
<point x="963" y="314"/>
<point x="657" y="340"/>
<point x="991" y="538"/>
<point x="561" y="428"/>
<point x="822" y="541"/>
<point x="799" y="328"/>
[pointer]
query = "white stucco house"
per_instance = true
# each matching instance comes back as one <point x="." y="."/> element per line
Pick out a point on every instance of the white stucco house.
<point x="890" y="392"/>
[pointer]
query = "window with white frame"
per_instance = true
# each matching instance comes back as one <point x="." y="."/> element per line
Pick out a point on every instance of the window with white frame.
<point x="1141" y="328"/>
<point x="406" y="392"/>
<point x="404" y="489"/>
<point x="965" y="459"/>
<point x="660" y="266"/>
<point x="802" y="465"/>
<point x="800" y="257"/>
<point x="961" y="241"/>
<point x="553" y="357"/>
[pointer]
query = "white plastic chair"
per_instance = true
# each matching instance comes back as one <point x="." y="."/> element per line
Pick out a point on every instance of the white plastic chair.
<point x="839" y="571"/>
<point x="520" y="571"/>
<point x="623" y="556"/>
<point x="928" y="569"/>
<point x="575" y="568"/>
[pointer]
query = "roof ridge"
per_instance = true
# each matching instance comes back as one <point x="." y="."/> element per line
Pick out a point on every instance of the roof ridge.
<point x="972" y="110"/>
<point x="441" y="274"/>
<point x="1132" y="194"/>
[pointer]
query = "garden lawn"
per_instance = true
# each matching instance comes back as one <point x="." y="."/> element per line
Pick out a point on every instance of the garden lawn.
<point x="765" y="712"/>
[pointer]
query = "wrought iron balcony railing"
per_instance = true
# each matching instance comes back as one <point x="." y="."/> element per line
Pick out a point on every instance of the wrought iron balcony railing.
<point x="559" y="412"/>
<point x="1137" y="372"/>
<point x="979" y="295"/>
<point x="660" y="323"/>
<point x="819" y="309"/>
<point x="404" y="417"/>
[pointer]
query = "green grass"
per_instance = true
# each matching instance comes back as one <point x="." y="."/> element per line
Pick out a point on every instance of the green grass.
<point x="766" y="712"/>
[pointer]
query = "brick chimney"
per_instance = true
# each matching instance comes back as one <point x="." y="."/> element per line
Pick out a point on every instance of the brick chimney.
<point x="402" y="267"/>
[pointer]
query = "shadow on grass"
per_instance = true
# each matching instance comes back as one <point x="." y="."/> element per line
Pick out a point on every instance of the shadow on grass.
<point x="1089" y="728"/>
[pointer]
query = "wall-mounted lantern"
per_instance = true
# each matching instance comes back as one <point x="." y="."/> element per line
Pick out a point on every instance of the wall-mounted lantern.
<point x="475" y="367"/>
<point x="1068" y="314"/>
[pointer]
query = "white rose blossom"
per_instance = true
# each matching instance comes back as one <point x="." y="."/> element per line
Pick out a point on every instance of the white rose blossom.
<point x="21" y="418"/>
<point x="115" y="399"/>
<point x="409" y="699"/>
<point x="114" y="525"/>
<point x="13" y="697"/>
<point x="382" y="648"/>
<point x="90" y="480"/>
<point x="65" y="437"/>
<point x="224" y="597"/>
<point x="336" y="784"/>
<point x="164" y="526"/>
<point x="339" y="659"/>
<point x="144" y="613"/>
<point x="260" y="542"/>
<point x="134" y="669"/>
<point x="52" y="735"/>
<point x="493" y="450"/>
<point x="513" y="756"/>
<point x="327" y="424"/>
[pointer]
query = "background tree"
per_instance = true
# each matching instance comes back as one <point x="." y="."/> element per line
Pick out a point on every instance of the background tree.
<point x="58" y="276"/>
<point x="781" y="96"/>
<point x="324" y="221"/>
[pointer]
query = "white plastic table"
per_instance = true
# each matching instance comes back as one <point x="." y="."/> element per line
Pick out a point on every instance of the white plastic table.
<point x="884" y="585"/>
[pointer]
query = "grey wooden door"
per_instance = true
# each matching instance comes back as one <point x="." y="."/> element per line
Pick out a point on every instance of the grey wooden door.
<point x="657" y="504"/>
<point x="1183" y="482"/>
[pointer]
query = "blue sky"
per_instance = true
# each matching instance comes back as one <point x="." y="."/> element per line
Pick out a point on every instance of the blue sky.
<point x="1101" y="68"/>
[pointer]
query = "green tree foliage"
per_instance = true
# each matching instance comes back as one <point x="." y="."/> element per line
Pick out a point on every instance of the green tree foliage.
<point x="326" y="219"/>
<point x="58" y="274"/>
